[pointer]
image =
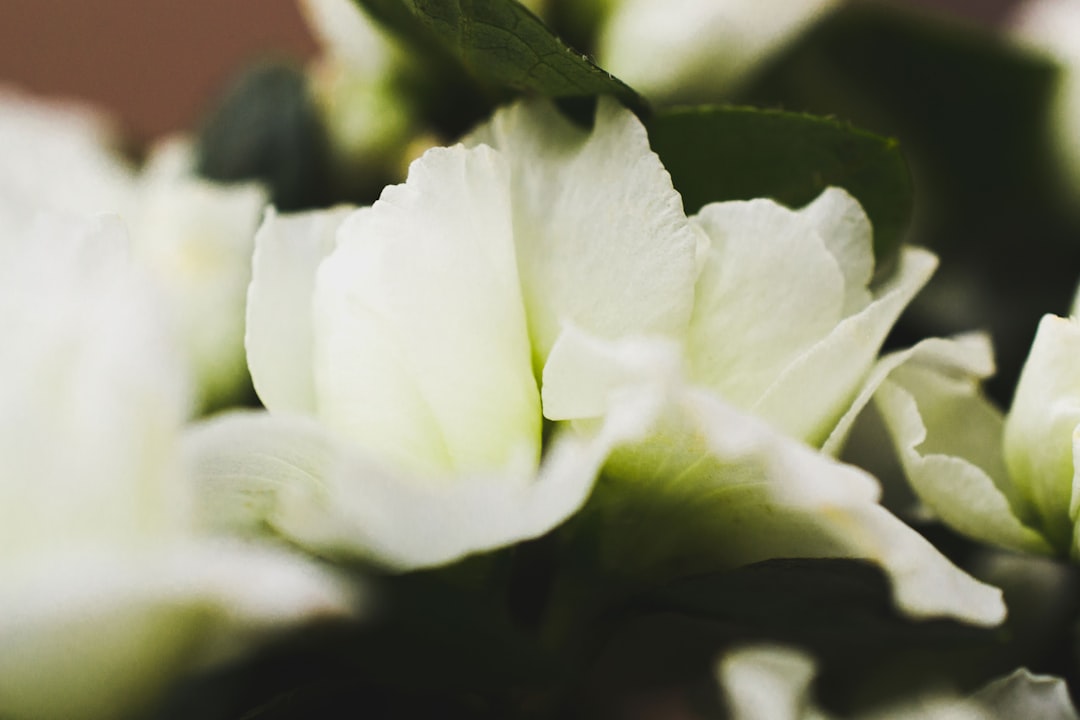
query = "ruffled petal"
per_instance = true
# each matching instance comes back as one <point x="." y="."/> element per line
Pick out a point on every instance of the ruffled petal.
<point x="948" y="437"/>
<point x="602" y="239"/>
<point x="769" y="290"/>
<point x="256" y="472"/>
<point x="844" y="226"/>
<point x="711" y="487"/>
<point x="811" y="395"/>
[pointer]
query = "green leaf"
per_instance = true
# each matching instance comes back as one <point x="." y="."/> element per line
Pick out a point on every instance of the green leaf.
<point x="500" y="45"/>
<point x="736" y="153"/>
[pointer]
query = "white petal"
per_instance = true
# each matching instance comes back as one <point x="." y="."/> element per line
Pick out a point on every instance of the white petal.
<point x="745" y="493"/>
<point x="1023" y="694"/>
<point x="803" y="504"/>
<point x="346" y="31"/>
<point x="948" y="436"/>
<point x="602" y="239"/>
<point x="197" y="237"/>
<point x="241" y="462"/>
<point x="91" y="394"/>
<point x="811" y="395"/>
<point x="700" y="50"/>
<point x="972" y="354"/>
<point x="258" y="469"/>
<point x="843" y="225"/>
<point x="1039" y="427"/>
<point x="279" y="338"/>
<point x="59" y="157"/>
<point x="769" y="290"/>
<point x="422" y="354"/>
<point x="584" y="373"/>
<point x="113" y="629"/>
<point x="767" y="682"/>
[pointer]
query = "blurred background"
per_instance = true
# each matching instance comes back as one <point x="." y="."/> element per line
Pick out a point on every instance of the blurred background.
<point x="156" y="65"/>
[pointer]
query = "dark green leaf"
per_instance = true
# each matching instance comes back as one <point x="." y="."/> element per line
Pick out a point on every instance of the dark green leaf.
<point x="500" y="45"/>
<point x="267" y="129"/>
<point x="733" y="153"/>
<point x="839" y="610"/>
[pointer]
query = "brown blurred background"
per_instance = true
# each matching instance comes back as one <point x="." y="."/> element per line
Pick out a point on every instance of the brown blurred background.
<point x="157" y="63"/>
<point x="154" y="63"/>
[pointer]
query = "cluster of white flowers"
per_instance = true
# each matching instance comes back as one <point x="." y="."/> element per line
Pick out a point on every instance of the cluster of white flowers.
<point x="450" y="370"/>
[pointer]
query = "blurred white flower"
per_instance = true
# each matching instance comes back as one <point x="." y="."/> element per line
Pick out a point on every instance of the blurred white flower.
<point x="195" y="235"/>
<point x="356" y="84"/>
<point x="1052" y="27"/>
<point x="699" y="50"/>
<point x="108" y="593"/>
<point x="398" y="349"/>
<point x="769" y="682"/>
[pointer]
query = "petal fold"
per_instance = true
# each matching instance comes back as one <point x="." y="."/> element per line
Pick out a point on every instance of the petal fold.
<point x="258" y="473"/>
<point x="742" y="493"/>
<point x="812" y="394"/>
<point x="948" y="437"/>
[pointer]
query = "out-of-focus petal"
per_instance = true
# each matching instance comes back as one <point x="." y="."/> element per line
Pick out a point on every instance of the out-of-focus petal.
<point x="767" y="682"/>
<point x="1023" y="694"/>
<point x="700" y="50"/>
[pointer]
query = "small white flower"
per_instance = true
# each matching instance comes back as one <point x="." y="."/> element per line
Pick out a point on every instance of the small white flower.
<point x="195" y="235"/>
<point x="108" y="593"/>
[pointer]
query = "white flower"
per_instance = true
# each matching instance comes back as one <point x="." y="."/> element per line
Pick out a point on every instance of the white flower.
<point x="398" y="348"/>
<point x="695" y="50"/>
<point x="195" y="235"/>
<point x="1006" y="480"/>
<point x="410" y="331"/>
<point x="1050" y="27"/>
<point x="107" y="591"/>
<point x="768" y="682"/>
<point x="356" y="84"/>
